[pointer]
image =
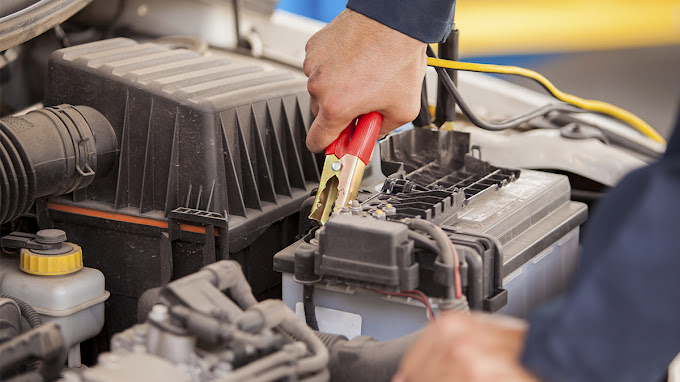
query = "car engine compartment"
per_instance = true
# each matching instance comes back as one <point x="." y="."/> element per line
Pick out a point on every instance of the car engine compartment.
<point x="154" y="215"/>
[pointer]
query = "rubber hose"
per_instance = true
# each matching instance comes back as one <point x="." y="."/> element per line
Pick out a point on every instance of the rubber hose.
<point x="33" y="319"/>
<point x="443" y="242"/>
<point x="33" y="21"/>
<point x="475" y="280"/>
<point x="329" y="339"/>
<point x="310" y="309"/>
<point x="26" y="310"/>
<point x="50" y="152"/>
<point x="365" y="359"/>
<point x="423" y="242"/>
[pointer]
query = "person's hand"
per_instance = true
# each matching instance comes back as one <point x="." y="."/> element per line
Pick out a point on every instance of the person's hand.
<point x="471" y="348"/>
<point x="357" y="65"/>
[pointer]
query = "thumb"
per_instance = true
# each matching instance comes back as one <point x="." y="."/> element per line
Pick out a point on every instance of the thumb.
<point x="324" y="131"/>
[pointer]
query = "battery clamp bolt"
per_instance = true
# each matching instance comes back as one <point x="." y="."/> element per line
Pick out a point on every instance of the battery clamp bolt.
<point x="379" y="214"/>
<point x="336" y="166"/>
<point x="389" y="210"/>
<point x="355" y="207"/>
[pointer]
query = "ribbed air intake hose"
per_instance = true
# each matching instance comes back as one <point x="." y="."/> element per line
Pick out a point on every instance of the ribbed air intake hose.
<point x="50" y="152"/>
<point x="363" y="358"/>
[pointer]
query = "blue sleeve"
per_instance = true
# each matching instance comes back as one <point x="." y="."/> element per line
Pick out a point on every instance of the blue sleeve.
<point x="429" y="21"/>
<point x="620" y="321"/>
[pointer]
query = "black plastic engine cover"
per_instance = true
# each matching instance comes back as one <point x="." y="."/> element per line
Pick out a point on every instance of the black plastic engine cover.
<point x="220" y="136"/>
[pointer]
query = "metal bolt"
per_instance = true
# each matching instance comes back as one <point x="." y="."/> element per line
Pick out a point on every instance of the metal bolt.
<point x="336" y="166"/>
<point x="379" y="214"/>
<point x="355" y="207"/>
<point x="159" y="313"/>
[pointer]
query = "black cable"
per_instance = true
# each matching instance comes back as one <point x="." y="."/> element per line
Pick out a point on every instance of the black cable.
<point x="31" y="316"/>
<point x="309" y="308"/>
<point x="424" y="117"/>
<point x="240" y="42"/>
<point x="120" y="9"/>
<point x="27" y="311"/>
<point x="503" y="125"/>
<point x="445" y="110"/>
<point x="61" y="36"/>
<point x="439" y="237"/>
<point x="423" y="242"/>
<point x="446" y="253"/>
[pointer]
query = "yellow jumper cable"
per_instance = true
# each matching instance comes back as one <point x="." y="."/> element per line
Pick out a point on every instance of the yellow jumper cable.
<point x="592" y="105"/>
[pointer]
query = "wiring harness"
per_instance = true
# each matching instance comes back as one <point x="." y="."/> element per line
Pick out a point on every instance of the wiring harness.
<point x="570" y="104"/>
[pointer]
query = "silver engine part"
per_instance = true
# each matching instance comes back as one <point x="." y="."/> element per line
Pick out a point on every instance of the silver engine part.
<point x="199" y="334"/>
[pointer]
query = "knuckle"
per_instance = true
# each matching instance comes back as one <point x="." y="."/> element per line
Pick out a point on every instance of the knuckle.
<point x="311" y="61"/>
<point x="311" y="144"/>
<point x="410" y="113"/>
<point x="464" y="348"/>
<point x="406" y="115"/>
<point x="472" y="372"/>
<point x="406" y="111"/>
<point x="309" y="46"/>
<point x="314" y="84"/>
<point x="307" y="66"/>
<point x="330" y="109"/>
<point x="444" y="331"/>
<point x="315" y="106"/>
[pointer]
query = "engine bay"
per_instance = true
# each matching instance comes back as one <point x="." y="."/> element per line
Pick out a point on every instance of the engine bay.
<point x="154" y="211"/>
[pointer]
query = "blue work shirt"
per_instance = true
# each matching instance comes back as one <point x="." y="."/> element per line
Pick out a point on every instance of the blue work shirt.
<point x="620" y="319"/>
<point x="428" y="21"/>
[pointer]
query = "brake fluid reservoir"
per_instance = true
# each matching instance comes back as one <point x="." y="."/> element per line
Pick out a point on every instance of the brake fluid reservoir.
<point x="49" y="275"/>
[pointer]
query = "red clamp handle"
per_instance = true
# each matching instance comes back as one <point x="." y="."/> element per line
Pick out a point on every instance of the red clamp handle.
<point x="341" y="143"/>
<point x="359" y="140"/>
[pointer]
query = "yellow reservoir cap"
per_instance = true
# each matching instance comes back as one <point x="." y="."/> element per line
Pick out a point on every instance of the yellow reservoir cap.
<point x="52" y="265"/>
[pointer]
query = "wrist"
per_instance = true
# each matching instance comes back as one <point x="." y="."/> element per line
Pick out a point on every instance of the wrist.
<point x="363" y="26"/>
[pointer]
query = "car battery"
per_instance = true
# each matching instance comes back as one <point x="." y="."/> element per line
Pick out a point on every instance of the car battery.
<point x="532" y="222"/>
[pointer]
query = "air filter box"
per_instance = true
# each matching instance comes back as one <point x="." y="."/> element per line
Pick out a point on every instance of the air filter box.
<point x="212" y="163"/>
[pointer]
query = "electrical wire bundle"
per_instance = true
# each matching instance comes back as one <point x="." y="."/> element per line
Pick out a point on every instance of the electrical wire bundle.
<point x="414" y="294"/>
<point x="446" y="252"/>
<point x="445" y="249"/>
<point x="570" y="103"/>
<point x="439" y="243"/>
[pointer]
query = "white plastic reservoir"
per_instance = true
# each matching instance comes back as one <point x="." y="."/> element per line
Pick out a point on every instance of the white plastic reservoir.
<point x="75" y="301"/>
